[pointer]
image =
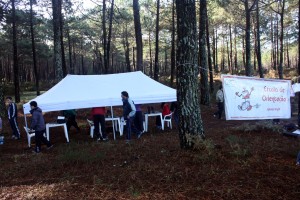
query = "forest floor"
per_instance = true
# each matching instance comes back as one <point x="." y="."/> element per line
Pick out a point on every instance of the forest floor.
<point x="239" y="160"/>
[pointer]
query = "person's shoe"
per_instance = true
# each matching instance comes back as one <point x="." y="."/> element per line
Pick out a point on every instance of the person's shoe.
<point x="140" y="134"/>
<point x="36" y="151"/>
<point x="105" y="139"/>
<point x="127" y="141"/>
<point x="99" y="139"/>
<point x="50" y="147"/>
<point x="298" y="163"/>
<point x="215" y="116"/>
<point x="13" y="137"/>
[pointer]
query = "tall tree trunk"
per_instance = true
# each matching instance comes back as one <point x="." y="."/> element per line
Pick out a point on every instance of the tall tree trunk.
<point x="2" y="75"/>
<point x="133" y="58"/>
<point x="298" y="55"/>
<point x="127" y="50"/>
<point x="109" y="33"/>
<point x="138" y="35"/>
<point x="288" y="54"/>
<point x="244" y="59"/>
<point x="258" y="51"/>
<point x="273" y="46"/>
<point x="63" y="58"/>
<point x="156" y="66"/>
<point x="235" y="50"/>
<point x="211" y="77"/>
<point x="15" y="54"/>
<point x="150" y="55"/>
<point x="249" y="70"/>
<point x="190" y="122"/>
<point x="105" y="56"/>
<point x="230" y="39"/>
<point x="70" y="51"/>
<point x="173" y="60"/>
<point x="228" y="55"/>
<point x="33" y="51"/>
<point x="58" y="66"/>
<point x="205" y="98"/>
<point x="216" y="52"/>
<point x="280" y="67"/>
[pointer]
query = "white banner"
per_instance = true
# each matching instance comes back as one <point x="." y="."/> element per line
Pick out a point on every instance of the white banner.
<point x="248" y="98"/>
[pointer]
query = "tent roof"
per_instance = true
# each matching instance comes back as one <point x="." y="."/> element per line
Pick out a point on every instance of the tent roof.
<point x="86" y="91"/>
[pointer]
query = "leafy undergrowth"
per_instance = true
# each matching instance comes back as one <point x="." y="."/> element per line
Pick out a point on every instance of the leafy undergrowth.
<point x="230" y="164"/>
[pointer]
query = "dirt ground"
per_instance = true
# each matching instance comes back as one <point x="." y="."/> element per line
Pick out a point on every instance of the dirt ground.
<point x="231" y="164"/>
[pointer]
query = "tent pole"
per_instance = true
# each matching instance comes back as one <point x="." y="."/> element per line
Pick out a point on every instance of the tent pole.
<point x="113" y="122"/>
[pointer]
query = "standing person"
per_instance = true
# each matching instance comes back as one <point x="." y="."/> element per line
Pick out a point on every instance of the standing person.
<point x="138" y="119"/>
<point x="12" y="111"/>
<point x="71" y="119"/>
<point x="220" y="102"/>
<point x="38" y="125"/>
<point x="128" y="114"/>
<point x="98" y="114"/>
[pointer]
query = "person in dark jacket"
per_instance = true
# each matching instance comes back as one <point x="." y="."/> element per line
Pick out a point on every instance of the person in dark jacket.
<point x="38" y="125"/>
<point x="12" y="112"/>
<point x="128" y="114"/>
<point x="71" y="119"/>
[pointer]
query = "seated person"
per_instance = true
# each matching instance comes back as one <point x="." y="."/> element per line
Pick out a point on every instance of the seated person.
<point x="165" y="111"/>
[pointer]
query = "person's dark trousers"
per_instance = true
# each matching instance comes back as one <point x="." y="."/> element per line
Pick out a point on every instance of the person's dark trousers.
<point x="138" y="121"/>
<point x="14" y="127"/>
<point x="39" y="138"/>
<point x="158" y="121"/>
<point x="99" y="119"/>
<point x="72" y="122"/>
<point x="220" y="109"/>
<point x="130" y="128"/>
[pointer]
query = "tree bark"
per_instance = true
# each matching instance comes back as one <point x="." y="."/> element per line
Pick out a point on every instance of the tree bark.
<point x="280" y="67"/>
<point x="127" y="50"/>
<point x="205" y="98"/>
<point x="109" y="34"/>
<point x="211" y="77"/>
<point x="138" y="36"/>
<point x="190" y="122"/>
<point x="173" y="60"/>
<point x="216" y="52"/>
<point x="34" y="51"/>
<point x="235" y="50"/>
<point x="156" y="65"/>
<point x="258" y="51"/>
<point x="15" y="54"/>
<point x="58" y="66"/>
<point x="105" y="56"/>
<point x="70" y="52"/>
<point x="150" y="55"/>
<point x="249" y="70"/>
<point x="231" y="59"/>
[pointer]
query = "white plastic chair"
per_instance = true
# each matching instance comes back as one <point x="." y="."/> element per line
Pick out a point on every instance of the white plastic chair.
<point x="168" y="119"/>
<point x="92" y="127"/>
<point x="30" y="134"/>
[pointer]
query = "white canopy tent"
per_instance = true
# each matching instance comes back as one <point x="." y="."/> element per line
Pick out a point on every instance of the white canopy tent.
<point x="86" y="91"/>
